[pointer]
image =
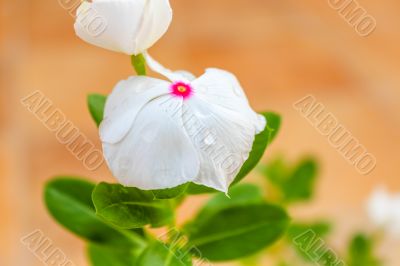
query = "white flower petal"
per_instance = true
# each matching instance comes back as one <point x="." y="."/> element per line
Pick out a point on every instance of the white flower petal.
<point x="186" y="74"/>
<point x="124" y="103"/>
<point x="378" y="207"/>
<point x="384" y="210"/>
<point x="127" y="26"/>
<point x="223" y="139"/>
<point x="394" y="227"/>
<point x="222" y="88"/>
<point x="160" y="69"/>
<point x="156" y="153"/>
<point x="222" y="126"/>
<point x="157" y="18"/>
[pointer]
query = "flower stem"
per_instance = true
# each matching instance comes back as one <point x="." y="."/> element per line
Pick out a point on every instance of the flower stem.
<point x="139" y="64"/>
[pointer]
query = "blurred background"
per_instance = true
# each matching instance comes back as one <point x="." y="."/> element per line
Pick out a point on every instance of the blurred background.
<point x="280" y="50"/>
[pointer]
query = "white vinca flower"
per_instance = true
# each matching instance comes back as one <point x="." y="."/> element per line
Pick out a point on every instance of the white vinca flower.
<point x="159" y="134"/>
<point x="384" y="210"/>
<point x="127" y="26"/>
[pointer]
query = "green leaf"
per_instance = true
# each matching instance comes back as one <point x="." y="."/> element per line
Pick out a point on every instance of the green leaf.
<point x="106" y="256"/>
<point x="319" y="231"/>
<point x="237" y="231"/>
<point x="361" y="252"/>
<point x="328" y="256"/>
<point x="139" y="64"/>
<point x="276" y="171"/>
<point x="194" y="189"/>
<point x="295" y="183"/>
<point x="96" y="104"/>
<point x="242" y="194"/>
<point x="260" y="144"/>
<point x="160" y="254"/>
<point x="302" y="181"/>
<point x="69" y="202"/>
<point x="129" y="208"/>
<point x="170" y="193"/>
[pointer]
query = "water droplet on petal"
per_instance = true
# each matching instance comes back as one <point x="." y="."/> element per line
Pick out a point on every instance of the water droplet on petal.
<point x="209" y="140"/>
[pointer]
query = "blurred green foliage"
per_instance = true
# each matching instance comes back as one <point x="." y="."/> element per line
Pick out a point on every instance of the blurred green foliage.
<point x="361" y="251"/>
<point x="294" y="183"/>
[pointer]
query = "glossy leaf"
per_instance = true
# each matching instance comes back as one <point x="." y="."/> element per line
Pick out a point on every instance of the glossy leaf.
<point x="170" y="193"/>
<point x="260" y="144"/>
<point x="96" y="104"/>
<point x="69" y="202"/>
<point x="238" y="231"/>
<point x="130" y="207"/>
<point x="194" y="189"/>
<point x="106" y="256"/>
<point x="242" y="194"/>
<point x="160" y="254"/>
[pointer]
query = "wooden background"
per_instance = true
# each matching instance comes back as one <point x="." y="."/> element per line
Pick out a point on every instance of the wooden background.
<point x="280" y="50"/>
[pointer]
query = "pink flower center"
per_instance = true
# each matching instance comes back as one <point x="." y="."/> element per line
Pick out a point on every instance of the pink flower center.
<point x="181" y="89"/>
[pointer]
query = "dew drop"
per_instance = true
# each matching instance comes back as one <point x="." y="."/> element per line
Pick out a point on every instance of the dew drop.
<point x="209" y="140"/>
